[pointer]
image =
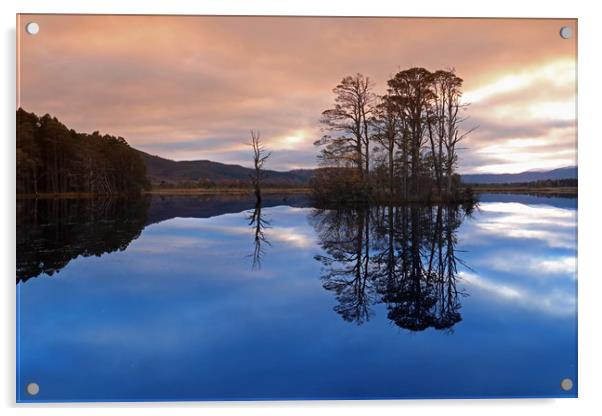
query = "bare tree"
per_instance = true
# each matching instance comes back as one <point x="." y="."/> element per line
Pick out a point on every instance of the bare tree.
<point x="348" y="123"/>
<point x="437" y="124"/>
<point x="411" y="90"/>
<point x="387" y="129"/>
<point x="260" y="155"/>
<point x="450" y="120"/>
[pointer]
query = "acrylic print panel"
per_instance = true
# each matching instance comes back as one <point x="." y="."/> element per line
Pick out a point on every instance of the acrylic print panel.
<point x="269" y="208"/>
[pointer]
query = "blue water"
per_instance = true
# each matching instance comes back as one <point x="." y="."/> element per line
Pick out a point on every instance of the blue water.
<point x="189" y="309"/>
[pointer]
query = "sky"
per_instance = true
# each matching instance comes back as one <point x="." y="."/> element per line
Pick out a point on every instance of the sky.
<point x="191" y="87"/>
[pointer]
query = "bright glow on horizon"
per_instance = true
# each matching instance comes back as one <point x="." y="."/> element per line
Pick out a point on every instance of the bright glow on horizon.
<point x="291" y="142"/>
<point x="558" y="73"/>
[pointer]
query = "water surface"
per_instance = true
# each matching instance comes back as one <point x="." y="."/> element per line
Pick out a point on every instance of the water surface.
<point x="213" y="298"/>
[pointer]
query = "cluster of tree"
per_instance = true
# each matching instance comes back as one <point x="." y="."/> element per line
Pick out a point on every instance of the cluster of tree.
<point x="401" y="146"/>
<point x="547" y="183"/>
<point x="402" y="256"/>
<point x="53" y="231"/>
<point x="54" y="159"/>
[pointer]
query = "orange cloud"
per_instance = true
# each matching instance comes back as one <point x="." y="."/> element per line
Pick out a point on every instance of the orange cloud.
<point x="191" y="87"/>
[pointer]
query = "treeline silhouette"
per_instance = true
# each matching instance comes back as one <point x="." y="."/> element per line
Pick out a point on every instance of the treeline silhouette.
<point x="53" y="231"/>
<point x="401" y="256"/>
<point x="52" y="158"/>
<point x="401" y="146"/>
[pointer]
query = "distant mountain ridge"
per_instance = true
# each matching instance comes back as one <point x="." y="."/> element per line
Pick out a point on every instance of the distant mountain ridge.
<point x="159" y="170"/>
<point x="569" y="172"/>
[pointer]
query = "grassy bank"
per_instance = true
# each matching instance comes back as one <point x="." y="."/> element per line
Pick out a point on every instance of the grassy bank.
<point x="567" y="190"/>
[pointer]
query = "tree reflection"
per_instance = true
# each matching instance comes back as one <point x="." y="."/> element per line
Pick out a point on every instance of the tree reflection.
<point x="344" y="235"/>
<point x="403" y="257"/>
<point x="52" y="232"/>
<point x="258" y="225"/>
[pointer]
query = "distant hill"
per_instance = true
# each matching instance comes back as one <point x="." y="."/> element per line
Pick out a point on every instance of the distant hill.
<point x="160" y="170"/>
<point x="529" y="176"/>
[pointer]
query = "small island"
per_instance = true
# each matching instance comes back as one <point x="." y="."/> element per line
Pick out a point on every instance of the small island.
<point x="396" y="148"/>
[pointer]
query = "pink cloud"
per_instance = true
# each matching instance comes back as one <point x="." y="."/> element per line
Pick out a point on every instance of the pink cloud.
<point x="161" y="80"/>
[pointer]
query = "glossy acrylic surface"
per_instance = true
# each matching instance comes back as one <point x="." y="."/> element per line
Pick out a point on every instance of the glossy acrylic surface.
<point x="181" y="298"/>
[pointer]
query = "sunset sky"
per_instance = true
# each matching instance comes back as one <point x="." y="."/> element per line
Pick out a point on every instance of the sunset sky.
<point x="189" y="88"/>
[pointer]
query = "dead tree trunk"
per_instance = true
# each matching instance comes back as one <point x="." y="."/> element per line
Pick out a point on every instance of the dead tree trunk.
<point x="260" y="155"/>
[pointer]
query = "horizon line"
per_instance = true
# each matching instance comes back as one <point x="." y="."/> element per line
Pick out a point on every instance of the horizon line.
<point x="317" y="167"/>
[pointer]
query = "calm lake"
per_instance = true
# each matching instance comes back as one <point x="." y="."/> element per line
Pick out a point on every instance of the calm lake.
<point x="212" y="298"/>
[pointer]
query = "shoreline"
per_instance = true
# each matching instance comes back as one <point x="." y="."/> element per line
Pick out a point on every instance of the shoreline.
<point x="225" y="191"/>
<point x="164" y="192"/>
<point x="564" y="191"/>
